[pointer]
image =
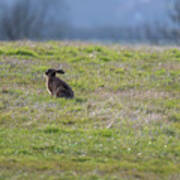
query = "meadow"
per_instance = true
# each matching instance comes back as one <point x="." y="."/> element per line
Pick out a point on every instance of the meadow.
<point x="124" y="122"/>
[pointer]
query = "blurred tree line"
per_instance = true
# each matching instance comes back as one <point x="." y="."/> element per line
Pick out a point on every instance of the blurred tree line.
<point x="174" y="32"/>
<point x="48" y="19"/>
<point x="33" y="19"/>
<point x="168" y="32"/>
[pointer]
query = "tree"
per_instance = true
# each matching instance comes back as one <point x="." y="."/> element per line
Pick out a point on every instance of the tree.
<point x="175" y="17"/>
<point x="168" y="31"/>
<point x="32" y="19"/>
<point x="175" y="14"/>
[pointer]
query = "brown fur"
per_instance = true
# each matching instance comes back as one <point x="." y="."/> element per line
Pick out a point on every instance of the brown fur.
<point x="57" y="87"/>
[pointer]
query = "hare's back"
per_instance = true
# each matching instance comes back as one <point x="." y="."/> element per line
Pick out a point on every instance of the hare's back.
<point x="64" y="88"/>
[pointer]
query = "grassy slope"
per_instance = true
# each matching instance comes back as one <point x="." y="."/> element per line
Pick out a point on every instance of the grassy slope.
<point x="124" y="122"/>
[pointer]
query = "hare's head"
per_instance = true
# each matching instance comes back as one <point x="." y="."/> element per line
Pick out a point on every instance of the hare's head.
<point x="52" y="72"/>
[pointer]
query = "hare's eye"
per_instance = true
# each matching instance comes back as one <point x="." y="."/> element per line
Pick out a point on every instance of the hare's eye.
<point x="53" y="73"/>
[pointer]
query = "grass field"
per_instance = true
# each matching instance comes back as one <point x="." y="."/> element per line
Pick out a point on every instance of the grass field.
<point x="124" y="122"/>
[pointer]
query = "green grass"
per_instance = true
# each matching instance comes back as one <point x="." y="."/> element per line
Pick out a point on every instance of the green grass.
<point x="123" y="123"/>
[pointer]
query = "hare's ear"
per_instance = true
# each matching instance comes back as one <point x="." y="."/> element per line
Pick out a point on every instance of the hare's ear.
<point x="60" y="71"/>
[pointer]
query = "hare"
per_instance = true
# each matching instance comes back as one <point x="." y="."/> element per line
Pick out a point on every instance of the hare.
<point x="57" y="87"/>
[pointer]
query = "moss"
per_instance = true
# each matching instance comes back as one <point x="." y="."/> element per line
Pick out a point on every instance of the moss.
<point x="21" y="52"/>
